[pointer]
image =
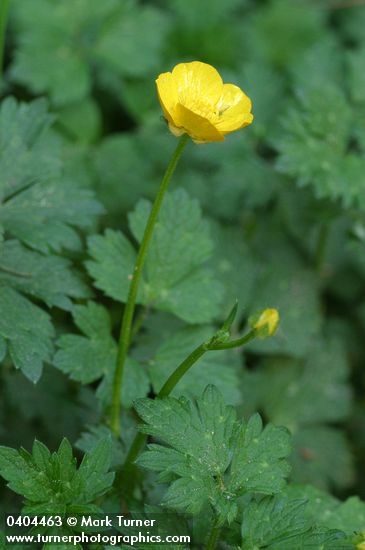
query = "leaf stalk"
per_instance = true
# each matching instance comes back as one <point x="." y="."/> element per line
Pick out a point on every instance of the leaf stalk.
<point x="213" y="537"/>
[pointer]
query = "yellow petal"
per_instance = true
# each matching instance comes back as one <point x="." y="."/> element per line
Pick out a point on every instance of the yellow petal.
<point x="195" y="100"/>
<point x="197" y="83"/>
<point x="198" y="127"/>
<point x="268" y="320"/>
<point x="234" y="109"/>
<point x="167" y="94"/>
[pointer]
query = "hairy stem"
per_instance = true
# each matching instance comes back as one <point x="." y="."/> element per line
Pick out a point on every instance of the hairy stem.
<point x="126" y="327"/>
<point x="213" y="537"/>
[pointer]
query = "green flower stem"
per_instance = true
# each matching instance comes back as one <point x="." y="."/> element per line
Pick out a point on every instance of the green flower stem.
<point x="234" y="343"/>
<point x="213" y="537"/>
<point x="183" y="368"/>
<point x="166" y="389"/>
<point x="125" y="332"/>
<point x="175" y="378"/>
<point x="4" y="9"/>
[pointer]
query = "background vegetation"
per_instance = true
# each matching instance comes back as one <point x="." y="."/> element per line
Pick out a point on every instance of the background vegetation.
<point x="275" y="217"/>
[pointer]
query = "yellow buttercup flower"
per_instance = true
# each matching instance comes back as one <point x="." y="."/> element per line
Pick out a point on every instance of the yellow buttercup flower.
<point x="196" y="102"/>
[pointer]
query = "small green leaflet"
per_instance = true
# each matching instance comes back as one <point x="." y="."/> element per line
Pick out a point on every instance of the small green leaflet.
<point x="92" y="355"/>
<point x="28" y="152"/>
<point x="59" y="205"/>
<point x="112" y="263"/>
<point x="26" y="331"/>
<point x="280" y="523"/>
<point x="89" y="440"/>
<point x="325" y="510"/>
<point x="89" y="356"/>
<point x="49" y="278"/>
<point x="258" y="463"/>
<point x="180" y="283"/>
<point x="313" y="146"/>
<point x="52" y="482"/>
<point x="208" y="456"/>
<point x="348" y="516"/>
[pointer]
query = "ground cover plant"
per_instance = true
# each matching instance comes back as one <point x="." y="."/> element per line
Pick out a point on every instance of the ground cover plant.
<point x="204" y="368"/>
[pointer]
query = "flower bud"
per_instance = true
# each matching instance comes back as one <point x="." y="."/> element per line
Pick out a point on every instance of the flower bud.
<point x="265" y="323"/>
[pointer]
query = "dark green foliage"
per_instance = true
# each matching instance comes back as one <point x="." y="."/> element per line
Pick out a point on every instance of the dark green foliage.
<point x="325" y="510"/>
<point x="92" y="356"/>
<point x="52" y="483"/>
<point x="86" y="35"/>
<point x="277" y="523"/>
<point x="86" y="358"/>
<point x="35" y="196"/>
